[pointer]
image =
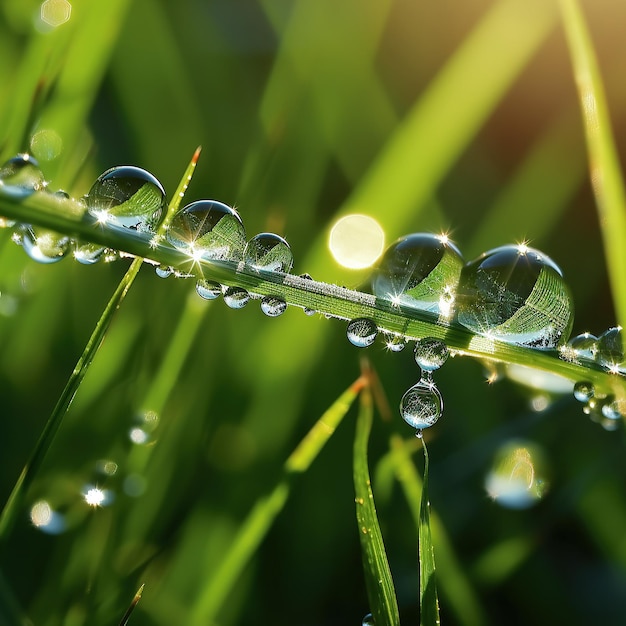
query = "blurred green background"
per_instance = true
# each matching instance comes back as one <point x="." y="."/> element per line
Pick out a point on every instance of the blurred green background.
<point x="459" y="115"/>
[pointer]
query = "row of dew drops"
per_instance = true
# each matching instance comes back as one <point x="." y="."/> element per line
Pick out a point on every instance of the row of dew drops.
<point x="513" y="294"/>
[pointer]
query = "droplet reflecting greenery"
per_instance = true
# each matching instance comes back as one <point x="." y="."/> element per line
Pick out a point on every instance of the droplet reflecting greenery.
<point x="422" y="405"/>
<point x="584" y="391"/>
<point x="517" y="295"/>
<point x="236" y="297"/>
<point x="127" y="196"/>
<point x="610" y="350"/>
<point x="395" y="343"/>
<point x="273" y="306"/>
<point x="582" y="346"/>
<point x="20" y="176"/>
<point x="361" y="332"/>
<point x="208" y="229"/>
<point x="613" y="409"/>
<point x="430" y="353"/>
<point x="420" y="271"/>
<point x="208" y="289"/>
<point x="269" y="252"/>
<point x="88" y="253"/>
<point x="44" y="246"/>
<point x="368" y="620"/>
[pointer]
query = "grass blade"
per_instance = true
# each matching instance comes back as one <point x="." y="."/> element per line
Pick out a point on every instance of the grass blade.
<point x="606" y="178"/>
<point x="380" y="589"/>
<point x="429" y="603"/>
<point x="132" y="606"/>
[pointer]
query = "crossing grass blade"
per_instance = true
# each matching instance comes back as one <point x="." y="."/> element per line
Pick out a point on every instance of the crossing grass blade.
<point x="378" y="580"/>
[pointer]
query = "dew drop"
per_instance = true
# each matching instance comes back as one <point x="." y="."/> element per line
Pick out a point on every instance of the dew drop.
<point x="208" y="289"/>
<point x="368" y="620"/>
<point x="163" y="271"/>
<point x="517" y="295"/>
<point x="361" y="332"/>
<point x="610" y="350"/>
<point x="269" y="252"/>
<point x="272" y="306"/>
<point x="208" y="229"/>
<point x="127" y="196"/>
<point x="420" y="271"/>
<point x="582" y="346"/>
<point x="236" y="297"/>
<point x="612" y="410"/>
<point x="583" y="391"/>
<point x="395" y="343"/>
<point x="422" y="405"/>
<point x="88" y="253"/>
<point x="44" y="246"/>
<point x="430" y="353"/>
<point x="46" y="519"/>
<point x="20" y="176"/>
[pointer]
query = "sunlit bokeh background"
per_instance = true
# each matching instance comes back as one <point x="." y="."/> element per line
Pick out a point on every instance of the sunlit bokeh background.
<point x="339" y="126"/>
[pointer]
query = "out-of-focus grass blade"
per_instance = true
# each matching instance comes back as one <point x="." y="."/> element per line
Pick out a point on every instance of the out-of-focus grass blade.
<point x="606" y="176"/>
<point x="132" y="606"/>
<point x="429" y="604"/>
<point x="380" y="589"/>
<point x="267" y="508"/>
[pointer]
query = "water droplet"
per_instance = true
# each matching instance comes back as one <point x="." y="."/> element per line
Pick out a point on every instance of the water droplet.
<point x="368" y="620"/>
<point x="582" y="347"/>
<point x="95" y="497"/>
<point x="163" y="271"/>
<point x="308" y="311"/>
<point x="583" y="391"/>
<point x="208" y="290"/>
<point x="420" y="271"/>
<point x="208" y="229"/>
<point x="272" y="306"/>
<point x="269" y="252"/>
<point x="612" y="409"/>
<point x="127" y="196"/>
<point x="517" y="477"/>
<point x="422" y="405"/>
<point x="394" y="343"/>
<point x="361" y="332"/>
<point x="610" y="350"/>
<point x="430" y="353"/>
<point x="44" y="246"/>
<point x="88" y="253"/>
<point x="20" y="176"/>
<point x="517" y="295"/>
<point x="236" y="297"/>
<point x="46" y="519"/>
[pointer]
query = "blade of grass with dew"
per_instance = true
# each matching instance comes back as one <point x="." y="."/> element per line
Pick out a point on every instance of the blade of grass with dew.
<point x="14" y="502"/>
<point x="378" y="581"/>
<point x="606" y="177"/>
<point x="132" y="606"/>
<point x="265" y="511"/>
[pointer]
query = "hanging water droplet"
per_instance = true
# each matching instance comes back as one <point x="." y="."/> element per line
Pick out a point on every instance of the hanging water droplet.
<point x="612" y="409"/>
<point x="20" y="177"/>
<point x="420" y="271"/>
<point x="208" y="229"/>
<point x="269" y="252"/>
<point x="368" y="620"/>
<point x="422" y="405"/>
<point x="394" y="343"/>
<point x="127" y="196"/>
<point x="361" y="332"/>
<point x="208" y="289"/>
<point x="88" y="253"/>
<point x="582" y="346"/>
<point x="584" y="391"/>
<point x="430" y="353"/>
<point x="272" y="306"/>
<point x="163" y="271"/>
<point x="610" y="350"/>
<point x="236" y="297"/>
<point x="308" y="311"/>
<point x="44" y="246"/>
<point x="517" y="295"/>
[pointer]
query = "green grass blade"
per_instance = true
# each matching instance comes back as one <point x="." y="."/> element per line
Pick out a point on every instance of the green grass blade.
<point x="606" y="177"/>
<point x="429" y="603"/>
<point x="265" y="511"/>
<point x="378" y="580"/>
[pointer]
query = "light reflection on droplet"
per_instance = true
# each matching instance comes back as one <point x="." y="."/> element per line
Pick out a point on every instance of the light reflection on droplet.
<point x="356" y="241"/>
<point x="96" y="497"/>
<point x="138" y="435"/>
<point x="55" y="12"/>
<point x="44" y="518"/>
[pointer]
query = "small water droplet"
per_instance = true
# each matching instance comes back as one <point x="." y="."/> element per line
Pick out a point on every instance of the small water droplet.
<point x="582" y="346"/>
<point x="236" y="297"/>
<point x="612" y="409"/>
<point x="430" y="353"/>
<point x="127" y="196"/>
<point x="361" y="332"/>
<point x="269" y="252"/>
<point x="420" y="271"/>
<point x="308" y="311"/>
<point x="44" y="246"/>
<point x="395" y="343"/>
<point x="163" y="271"/>
<point x="20" y="176"/>
<point x="88" y="253"/>
<point x="208" y="229"/>
<point x="208" y="290"/>
<point x="610" y="350"/>
<point x="272" y="306"/>
<point x="422" y="405"/>
<point x="517" y="295"/>
<point x="368" y="620"/>
<point x="583" y="391"/>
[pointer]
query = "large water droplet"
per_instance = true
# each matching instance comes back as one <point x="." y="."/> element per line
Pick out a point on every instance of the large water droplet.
<point x="430" y="353"/>
<point x="272" y="306"/>
<point x="361" y="332"/>
<point x="610" y="350"/>
<point x="208" y="289"/>
<point x="517" y="295"/>
<point x="127" y="196"/>
<point x="420" y="271"/>
<point x="44" y="246"/>
<point x="584" y="391"/>
<point x="163" y="271"/>
<point x="20" y="176"/>
<point x="368" y="620"/>
<point x="422" y="405"/>
<point x="581" y="347"/>
<point x="269" y="252"/>
<point x="208" y="229"/>
<point x="236" y="297"/>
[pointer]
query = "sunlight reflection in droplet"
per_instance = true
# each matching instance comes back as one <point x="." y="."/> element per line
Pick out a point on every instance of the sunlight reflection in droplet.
<point x="56" y="12"/>
<point x="356" y="241"/>
<point x="96" y="497"/>
<point x="47" y="520"/>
